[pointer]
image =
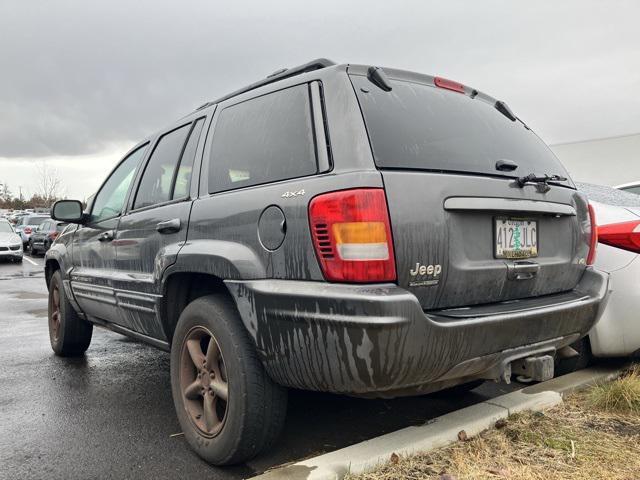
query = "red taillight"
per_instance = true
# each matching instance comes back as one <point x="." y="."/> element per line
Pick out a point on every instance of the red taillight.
<point x="53" y="235"/>
<point x="624" y="235"/>
<point x="593" y="239"/>
<point x="448" y="84"/>
<point x="27" y="230"/>
<point x="352" y="235"/>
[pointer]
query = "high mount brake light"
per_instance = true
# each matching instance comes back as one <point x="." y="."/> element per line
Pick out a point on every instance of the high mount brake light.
<point x="448" y="84"/>
<point x="593" y="239"/>
<point x="624" y="235"/>
<point x="352" y="236"/>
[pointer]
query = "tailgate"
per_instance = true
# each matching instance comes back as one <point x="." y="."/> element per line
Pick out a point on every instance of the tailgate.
<point x="445" y="237"/>
<point x="465" y="231"/>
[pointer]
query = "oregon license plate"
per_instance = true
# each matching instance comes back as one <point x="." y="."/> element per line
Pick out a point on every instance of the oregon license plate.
<point x="515" y="238"/>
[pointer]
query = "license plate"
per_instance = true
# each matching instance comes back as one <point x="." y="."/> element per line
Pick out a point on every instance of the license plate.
<point x="516" y="238"/>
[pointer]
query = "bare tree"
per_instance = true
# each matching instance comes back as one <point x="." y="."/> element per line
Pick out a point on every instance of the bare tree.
<point x="49" y="186"/>
<point x="5" y="193"/>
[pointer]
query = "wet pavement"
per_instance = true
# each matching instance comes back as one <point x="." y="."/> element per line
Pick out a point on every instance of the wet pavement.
<point x="110" y="414"/>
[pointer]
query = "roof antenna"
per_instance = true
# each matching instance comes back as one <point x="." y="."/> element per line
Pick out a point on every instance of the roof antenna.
<point x="377" y="76"/>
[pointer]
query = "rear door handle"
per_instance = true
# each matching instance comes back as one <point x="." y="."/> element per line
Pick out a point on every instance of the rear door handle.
<point x="169" y="226"/>
<point x="522" y="270"/>
<point x="106" y="236"/>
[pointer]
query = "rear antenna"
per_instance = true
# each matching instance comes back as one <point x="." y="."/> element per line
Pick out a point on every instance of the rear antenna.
<point x="377" y="76"/>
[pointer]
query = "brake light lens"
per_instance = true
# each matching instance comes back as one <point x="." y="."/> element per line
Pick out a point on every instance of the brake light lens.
<point x="53" y="235"/>
<point x="624" y="235"/>
<point x="27" y="230"/>
<point x="351" y="234"/>
<point x="593" y="240"/>
<point x="448" y="84"/>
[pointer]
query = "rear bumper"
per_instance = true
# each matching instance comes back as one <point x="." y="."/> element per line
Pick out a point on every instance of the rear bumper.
<point x="377" y="340"/>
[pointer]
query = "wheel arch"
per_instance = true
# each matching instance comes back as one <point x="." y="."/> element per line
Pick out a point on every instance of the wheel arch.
<point x="180" y="289"/>
<point x="50" y="267"/>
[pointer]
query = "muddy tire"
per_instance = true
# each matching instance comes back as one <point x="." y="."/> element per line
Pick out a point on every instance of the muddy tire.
<point x="69" y="334"/>
<point x="228" y="407"/>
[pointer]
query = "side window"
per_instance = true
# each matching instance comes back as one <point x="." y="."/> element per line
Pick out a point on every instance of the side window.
<point x="155" y="186"/>
<point x="263" y="140"/>
<point x="183" y="175"/>
<point x="110" y="199"/>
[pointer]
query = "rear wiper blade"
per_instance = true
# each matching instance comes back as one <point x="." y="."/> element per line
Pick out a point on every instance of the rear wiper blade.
<point x="542" y="183"/>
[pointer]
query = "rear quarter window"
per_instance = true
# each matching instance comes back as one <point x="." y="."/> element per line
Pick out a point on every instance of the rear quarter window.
<point x="263" y="140"/>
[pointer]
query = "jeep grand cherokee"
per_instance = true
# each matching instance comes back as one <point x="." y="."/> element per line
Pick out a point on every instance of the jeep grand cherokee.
<point x="337" y="228"/>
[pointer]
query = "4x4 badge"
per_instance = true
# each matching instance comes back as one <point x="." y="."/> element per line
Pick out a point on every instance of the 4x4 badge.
<point x="292" y="194"/>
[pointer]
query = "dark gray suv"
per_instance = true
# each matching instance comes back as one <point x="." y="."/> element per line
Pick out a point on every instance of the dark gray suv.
<point x="337" y="228"/>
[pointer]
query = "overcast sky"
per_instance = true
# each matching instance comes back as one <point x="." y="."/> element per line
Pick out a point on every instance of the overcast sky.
<point x="81" y="81"/>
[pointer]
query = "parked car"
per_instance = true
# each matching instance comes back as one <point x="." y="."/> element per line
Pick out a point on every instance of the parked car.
<point x="16" y="216"/>
<point x="633" y="187"/>
<point x="617" y="334"/>
<point x="44" y="235"/>
<point x="337" y="228"/>
<point x="10" y="242"/>
<point x="27" y="224"/>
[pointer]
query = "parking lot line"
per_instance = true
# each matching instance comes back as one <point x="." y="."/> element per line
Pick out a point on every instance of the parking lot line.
<point x="30" y="261"/>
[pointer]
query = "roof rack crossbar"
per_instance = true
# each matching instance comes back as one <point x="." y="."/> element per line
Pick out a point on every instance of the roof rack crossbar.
<point x="316" y="64"/>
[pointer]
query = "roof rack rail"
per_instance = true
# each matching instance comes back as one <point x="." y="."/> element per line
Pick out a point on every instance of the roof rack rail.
<point x="278" y="75"/>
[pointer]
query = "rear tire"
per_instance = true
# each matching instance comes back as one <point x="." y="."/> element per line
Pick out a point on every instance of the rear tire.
<point x="221" y="430"/>
<point x="69" y="334"/>
<point x="583" y="360"/>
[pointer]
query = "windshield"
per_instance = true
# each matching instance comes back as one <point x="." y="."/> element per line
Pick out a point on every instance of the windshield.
<point x="5" y="227"/>
<point x="418" y="126"/>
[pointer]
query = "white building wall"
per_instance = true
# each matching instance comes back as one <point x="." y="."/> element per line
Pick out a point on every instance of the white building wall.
<point x="607" y="161"/>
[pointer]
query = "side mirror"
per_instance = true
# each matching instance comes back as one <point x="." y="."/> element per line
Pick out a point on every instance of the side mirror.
<point x="69" y="211"/>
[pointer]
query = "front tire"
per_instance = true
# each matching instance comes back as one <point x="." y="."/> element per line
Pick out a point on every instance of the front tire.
<point x="227" y="405"/>
<point x="69" y="334"/>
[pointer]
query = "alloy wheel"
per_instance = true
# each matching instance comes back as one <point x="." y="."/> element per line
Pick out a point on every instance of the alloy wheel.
<point x="203" y="381"/>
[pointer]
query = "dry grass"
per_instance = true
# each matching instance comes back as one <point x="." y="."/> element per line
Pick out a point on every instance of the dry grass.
<point x="594" y="434"/>
<point x="622" y="396"/>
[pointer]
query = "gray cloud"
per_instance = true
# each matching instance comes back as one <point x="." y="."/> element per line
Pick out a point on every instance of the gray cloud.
<point x="79" y="76"/>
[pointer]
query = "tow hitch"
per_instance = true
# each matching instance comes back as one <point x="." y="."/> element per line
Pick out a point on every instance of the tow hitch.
<point x="538" y="369"/>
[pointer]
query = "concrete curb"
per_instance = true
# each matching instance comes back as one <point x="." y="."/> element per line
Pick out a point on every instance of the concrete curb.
<point x="440" y="431"/>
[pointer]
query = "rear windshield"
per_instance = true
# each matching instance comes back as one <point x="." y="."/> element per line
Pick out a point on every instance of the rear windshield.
<point x="417" y="126"/>
<point x="35" y="220"/>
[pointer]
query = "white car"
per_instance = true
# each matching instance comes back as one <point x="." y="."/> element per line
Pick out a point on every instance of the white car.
<point x="633" y="187"/>
<point x="617" y="334"/>
<point x="10" y="242"/>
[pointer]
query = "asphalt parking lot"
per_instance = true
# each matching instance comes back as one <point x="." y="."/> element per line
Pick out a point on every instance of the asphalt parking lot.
<point x="110" y="414"/>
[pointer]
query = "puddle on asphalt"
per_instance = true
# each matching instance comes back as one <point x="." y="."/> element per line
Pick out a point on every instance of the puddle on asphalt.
<point x="29" y="295"/>
<point x="40" y="312"/>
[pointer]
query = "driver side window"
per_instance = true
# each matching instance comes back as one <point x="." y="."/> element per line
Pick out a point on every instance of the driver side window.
<point x="109" y="201"/>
